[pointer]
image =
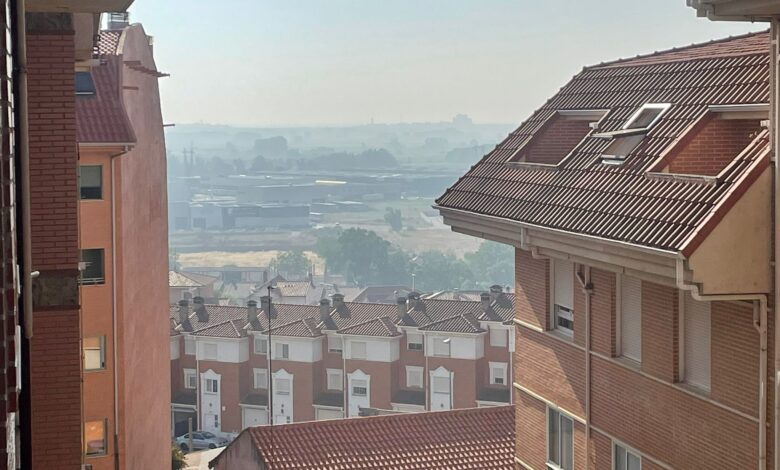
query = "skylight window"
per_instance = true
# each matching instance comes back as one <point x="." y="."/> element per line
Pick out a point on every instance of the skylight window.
<point x="646" y="116"/>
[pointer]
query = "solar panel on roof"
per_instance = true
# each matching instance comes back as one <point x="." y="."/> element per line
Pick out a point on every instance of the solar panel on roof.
<point x="84" y="83"/>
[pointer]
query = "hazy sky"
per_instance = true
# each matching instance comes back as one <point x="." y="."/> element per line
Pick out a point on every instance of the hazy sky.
<point x="299" y="62"/>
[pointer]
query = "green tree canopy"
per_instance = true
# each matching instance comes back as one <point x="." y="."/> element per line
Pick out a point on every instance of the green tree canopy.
<point x="492" y="263"/>
<point x="291" y="263"/>
<point x="436" y="271"/>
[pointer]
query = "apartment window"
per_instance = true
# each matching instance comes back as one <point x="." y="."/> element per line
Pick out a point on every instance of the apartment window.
<point x="414" y="377"/>
<point x="358" y="349"/>
<point x="498" y="373"/>
<point x="335" y="344"/>
<point x="91" y="266"/>
<point x="91" y="181"/>
<point x="441" y="347"/>
<point x="282" y="386"/>
<point x="212" y="386"/>
<point x="95" y="353"/>
<point x="631" y="318"/>
<point x="559" y="440"/>
<point x="189" y="345"/>
<point x="95" y="442"/>
<point x="359" y="387"/>
<point x="624" y="459"/>
<point x="335" y="379"/>
<point x="282" y="350"/>
<point x="190" y="379"/>
<point x="498" y="337"/>
<point x="261" y="378"/>
<point x="697" y="342"/>
<point x="260" y="345"/>
<point x="414" y="342"/>
<point x="85" y="86"/>
<point x="210" y="351"/>
<point x="441" y="385"/>
<point x="563" y="296"/>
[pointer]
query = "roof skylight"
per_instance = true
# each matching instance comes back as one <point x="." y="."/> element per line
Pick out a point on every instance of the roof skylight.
<point x="646" y="116"/>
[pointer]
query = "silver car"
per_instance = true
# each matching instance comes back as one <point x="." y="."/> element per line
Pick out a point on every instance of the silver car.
<point x="200" y="440"/>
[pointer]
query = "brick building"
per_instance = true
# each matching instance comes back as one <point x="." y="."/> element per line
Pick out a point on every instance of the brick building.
<point x="336" y="360"/>
<point x="639" y="200"/>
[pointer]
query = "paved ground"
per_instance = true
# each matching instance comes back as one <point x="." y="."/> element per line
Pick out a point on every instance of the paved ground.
<point x="200" y="460"/>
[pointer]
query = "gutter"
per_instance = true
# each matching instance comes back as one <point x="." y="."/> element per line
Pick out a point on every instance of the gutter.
<point x="760" y="307"/>
<point x="24" y="153"/>
<point x="587" y="289"/>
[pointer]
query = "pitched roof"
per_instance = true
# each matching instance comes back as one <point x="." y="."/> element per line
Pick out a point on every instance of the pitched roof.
<point x="225" y="329"/>
<point x="460" y="323"/>
<point x="101" y="118"/>
<point x="382" y="294"/>
<point x="477" y="438"/>
<point x="294" y="288"/>
<point x="582" y="195"/>
<point x="305" y="327"/>
<point x="382" y="326"/>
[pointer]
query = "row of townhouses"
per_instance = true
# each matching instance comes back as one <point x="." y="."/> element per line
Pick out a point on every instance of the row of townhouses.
<point x="639" y="200"/>
<point x="338" y="359"/>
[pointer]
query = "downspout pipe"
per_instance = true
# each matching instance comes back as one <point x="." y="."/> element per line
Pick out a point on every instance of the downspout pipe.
<point x="23" y="148"/>
<point x="774" y="118"/>
<point x="587" y="288"/>
<point x="760" y="307"/>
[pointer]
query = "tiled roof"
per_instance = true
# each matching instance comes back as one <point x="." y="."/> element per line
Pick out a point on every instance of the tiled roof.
<point x="473" y="439"/>
<point x="101" y="118"/>
<point x="382" y="326"/>
<point x="409" y="397"/>
<point x="108" y="42"/>
<point x="352" y="313"/>
<point x="621" y="202"/>
<point x="294" y="288"/>
<point x="305" y="327"/>
<point x="226" y="329"/>
<point x="472" y="296"/>
<point x="176" y="279"/>
<point x="382" y="294"/>
<point x="460" y="323"/>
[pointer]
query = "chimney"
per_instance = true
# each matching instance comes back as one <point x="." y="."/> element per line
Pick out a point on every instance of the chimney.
<point x="495" y="292"/>
<point x="200" y="309"/>
<point x="184" y="310"/>
<point x="414" y="301"/>
<point x="485" y="299"/>
<point x="265" y="303"/>
<point x="400" y="304"/>
<point x="118" y="21"/>
<point x="324" y="309"/>
<point x="251" y="311"/>
<point x="338" y="301"/>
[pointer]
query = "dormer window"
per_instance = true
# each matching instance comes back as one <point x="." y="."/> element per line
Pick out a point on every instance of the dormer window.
<point x="631" y="134"/>
<point x="558" y="136"/>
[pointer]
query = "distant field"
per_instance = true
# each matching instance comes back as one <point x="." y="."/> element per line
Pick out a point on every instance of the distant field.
<point x="244" y="258"/>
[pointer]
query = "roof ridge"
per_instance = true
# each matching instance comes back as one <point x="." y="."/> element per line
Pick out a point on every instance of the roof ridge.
<point x="616" y="62"/>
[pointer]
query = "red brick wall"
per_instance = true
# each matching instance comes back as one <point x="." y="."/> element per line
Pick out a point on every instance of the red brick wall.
<point x="553" y="143"/>
<point x="303" y="387"/>
<point x="603" y="302"/>
<point x="381" y="380"/>
<point x="531" y="430"/>
<point x="714" y="147"/>
<point x="532" y="293"/>
<point x="464" y="372"/>
<point x="55" y="352"/>
<point x="660" y="314"/>
<point x="735" y="357"/>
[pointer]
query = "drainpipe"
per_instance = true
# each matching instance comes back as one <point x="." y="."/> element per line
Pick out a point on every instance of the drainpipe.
<point x="774" y="102"/>
<point x="587" y="289"/>
<point x="426" y="379"/>
<point x="760" y="306"/>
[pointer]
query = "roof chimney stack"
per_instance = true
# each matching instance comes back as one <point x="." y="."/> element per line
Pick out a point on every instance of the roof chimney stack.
<point x="324" y="309"/>
<point x="184" y="310"/>
<point x="200" y="309"/>
<point x="118" y="21"/>
<point x="485" y="299"/>
<point x="400" y="304"/>
<point x="251" y="311"/>
<point x="414" y="301"/>
<point x="265" y="303"/>
<point x="338" y="301"/>
<point x="495" y="292"/>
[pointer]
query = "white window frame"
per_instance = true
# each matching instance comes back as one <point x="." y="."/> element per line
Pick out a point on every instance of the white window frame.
<point x="207" y="356"/>
<point x="412" y="339"/>
<point x="101" y="350"/>
<point x="502" y="367"/>
<point x="415" y="371"/>
<point x="335" y="344"/>
<point x="662" y="106"/>
<point x="260" y="345"/>
<point x="561" y="311"/>
<point x="499" y="337"/>
<point x="629" y="451"/>
<point x="334" y="377"/>
<point x="620" y="330"/>
<point x="260" y="378"/>
<point x="212" y="386"/>
<point x="189" y="374"/>
<point x="281" y="390"/>
<point x="560" y="416"/>
<point x="352" y="353"/>
<point x="439" y="340"/>
<point x="359" y="383"/>
<point x="281" y="351"/>
<point x="683" y="344"/>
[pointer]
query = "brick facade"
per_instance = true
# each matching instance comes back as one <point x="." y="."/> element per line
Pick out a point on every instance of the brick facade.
<point x="714" y="146"/>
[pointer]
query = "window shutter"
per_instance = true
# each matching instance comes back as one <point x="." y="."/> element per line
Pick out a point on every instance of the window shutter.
<point x="631" y="318"/>
<point x="564" y="283"/>
<point x="498" y="337"/>
<point x="697" y="342"/>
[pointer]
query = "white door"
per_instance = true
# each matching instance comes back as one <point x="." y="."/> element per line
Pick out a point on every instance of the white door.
<point x="283" y="397"/>
<point x="359" y="392"/>
<point x="441" y="389"/>
<point x="254" y="417"/>
<point x="210" y="402"/>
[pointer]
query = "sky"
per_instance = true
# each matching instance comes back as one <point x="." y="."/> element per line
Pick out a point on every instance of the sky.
<point x="345" y="62"/>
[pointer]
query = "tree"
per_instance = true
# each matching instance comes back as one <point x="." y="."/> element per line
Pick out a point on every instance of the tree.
<point x="493" y="263"/>
<point x="177" y="459"/>
<point x="363" y="257"/>
<point x="394" y="219"/>
<point x="435" y="271"/>
<point x="291" y="263"/>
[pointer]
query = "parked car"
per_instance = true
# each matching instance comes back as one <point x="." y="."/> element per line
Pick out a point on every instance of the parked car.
<point x="200" y="440"/>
